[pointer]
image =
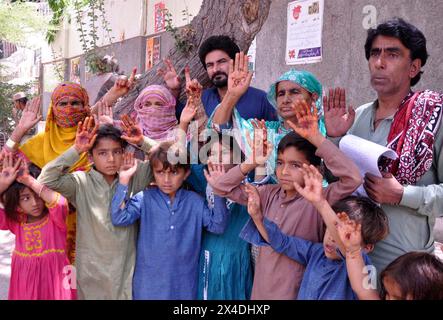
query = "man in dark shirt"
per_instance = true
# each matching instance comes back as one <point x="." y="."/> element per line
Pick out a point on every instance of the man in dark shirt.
<point x="215" y="54"/>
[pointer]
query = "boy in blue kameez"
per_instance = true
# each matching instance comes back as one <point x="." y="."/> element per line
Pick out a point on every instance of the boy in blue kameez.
<point x="171" y="224"/>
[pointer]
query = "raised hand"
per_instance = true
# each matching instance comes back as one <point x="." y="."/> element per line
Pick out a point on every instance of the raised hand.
<point x="23" y="175"/>
<point x="9" y="171"/>
<point x="133" y="133"/>
<point x="240" y="77"/>
<point x="170" y="76"/>
<point x="123" y="85"/>
<point x="127" y="168"/>
<point x="189" y="111"/>
<point x="307" y="122"/>
<point x="260" y="146"/>
<point x="214" y="172"/>
<point x="86" y="135"/>
<point x="338" y="120"/>
<point x="254" y="208"/>
<point x="313" y="188"/>
<point x="193" y="87"/>
<point x="31" y="115"/>
<point x="104" y="113"/>
<point x="350" y="233"/>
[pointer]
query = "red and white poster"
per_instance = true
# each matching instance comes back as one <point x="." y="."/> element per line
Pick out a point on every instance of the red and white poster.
<point x="304" y="36"/>
<point x="159" y="17"/>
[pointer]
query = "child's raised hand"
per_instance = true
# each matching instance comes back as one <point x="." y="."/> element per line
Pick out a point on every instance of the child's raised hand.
<point x="313" y="188"/>
<point x="260" y="146"/>
<point x="10" y="170"/>
<point x="127" y="168"/>
<point x="132" y="131"/>
<point x="350" y="234"/>
<point x="86" y="135"/>
<point x="23" y="175"/>
<point x="307" y="122"/>
<point x="214" y="172"/>
<point x="189" y="111"/>
<point x="254" y="208"/>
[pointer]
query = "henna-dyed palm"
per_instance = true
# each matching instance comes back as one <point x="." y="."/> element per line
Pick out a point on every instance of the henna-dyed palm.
<point x="132" y="131"/>
<point x="86" y="135"/>
<point x="307" y="120"/>
<point x="193" y="87"/>
<point x="10" y="169"/>
<point x="239" y="77"/>
<point x="349" y="232"/>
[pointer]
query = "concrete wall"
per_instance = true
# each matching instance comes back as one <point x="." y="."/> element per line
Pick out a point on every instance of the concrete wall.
<point x="175" y="8"/>
<point x="344" y="63"/>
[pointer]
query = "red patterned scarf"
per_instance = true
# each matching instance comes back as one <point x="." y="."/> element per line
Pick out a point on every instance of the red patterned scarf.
<point x="412" y="135"/>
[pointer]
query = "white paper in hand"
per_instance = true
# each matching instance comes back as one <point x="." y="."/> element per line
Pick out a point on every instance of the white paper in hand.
<point x="366" y="155"/>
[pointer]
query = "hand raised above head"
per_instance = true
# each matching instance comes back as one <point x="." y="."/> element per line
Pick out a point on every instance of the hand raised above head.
<point x="170" y="76"/>
<point x="307" y="122"/>
<point x="338" y="118"/>
<point x="10" y="169"/>
<point x="31" y="114"/>
<point x="123" y="85"/>
<point x="240" y="77"/>
<point x="128" y="168"/>
<point x="86" y="135"/>
<point x="313" y="184"/>
<point x="350" y="233"/>
<point x="132" y="131"/>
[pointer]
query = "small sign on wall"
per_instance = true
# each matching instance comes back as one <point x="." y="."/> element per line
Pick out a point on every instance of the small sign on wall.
<point x="152" y="52"/>
<point x="252" y="54"/>
<point x="74" y="75"/>
<point x="159" y="17"/>
<point x="304" y="34"/>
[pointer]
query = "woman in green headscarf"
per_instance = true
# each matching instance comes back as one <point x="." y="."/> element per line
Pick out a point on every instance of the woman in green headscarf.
<point x="291" y="86"/>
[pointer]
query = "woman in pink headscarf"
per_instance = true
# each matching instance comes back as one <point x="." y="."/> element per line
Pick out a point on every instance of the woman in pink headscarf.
<point x="155" y="112"/>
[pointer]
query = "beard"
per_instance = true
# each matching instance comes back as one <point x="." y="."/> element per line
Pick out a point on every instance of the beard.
<point x="221" y="82"/>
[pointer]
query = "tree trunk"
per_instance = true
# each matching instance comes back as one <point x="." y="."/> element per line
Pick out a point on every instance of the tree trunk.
<point x="239" y="19"/>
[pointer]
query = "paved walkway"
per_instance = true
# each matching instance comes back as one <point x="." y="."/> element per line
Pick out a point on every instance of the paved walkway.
<point x="7" y="240"/>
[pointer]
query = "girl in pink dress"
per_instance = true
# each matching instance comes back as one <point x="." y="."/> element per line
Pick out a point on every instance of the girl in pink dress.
<point x="36" y="215"/>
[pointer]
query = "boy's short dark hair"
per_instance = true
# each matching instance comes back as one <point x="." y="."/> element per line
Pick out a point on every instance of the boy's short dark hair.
<point x="160" y="154"/>
<point x="11" y="197"/>
<point x="418" y="274"/>
<point x="223" y="43"/>
<point x="373" y="220"/>
<point x="108" y="131"/>
<point x="409" y="35"/>
<point x="302" y="145"/>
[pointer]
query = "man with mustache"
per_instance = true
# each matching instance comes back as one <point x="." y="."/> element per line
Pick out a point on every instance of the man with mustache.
<point x="411" y="189"/>
<point x="215" y="54"/>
